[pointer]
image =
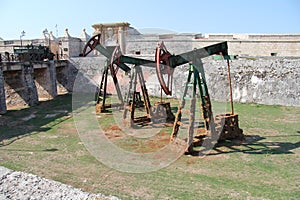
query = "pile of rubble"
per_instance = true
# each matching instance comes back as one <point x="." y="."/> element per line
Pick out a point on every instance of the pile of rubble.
<point x="19" y="185"/>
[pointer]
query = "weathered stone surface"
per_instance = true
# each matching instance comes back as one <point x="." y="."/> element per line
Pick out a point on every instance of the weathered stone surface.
<point x="263" y="81"/>
<point x="88" y="73"/>
<point x="238" y="44"/>
<point x="45" y="81"/>
<point x="256" y="81"/>
<point x="2" y="93"/>
<point x="31" y="94"/>
<point x="19" y="85"/>
<point x="273" y="81"/>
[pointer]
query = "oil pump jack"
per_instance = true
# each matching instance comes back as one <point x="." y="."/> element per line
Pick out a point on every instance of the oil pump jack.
<point x="224" y="126"/>
<point x="220" y="127"/>
<point x="115" y="62"/>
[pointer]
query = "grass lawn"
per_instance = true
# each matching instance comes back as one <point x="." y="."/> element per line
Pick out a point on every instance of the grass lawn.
<point x="43" y="140"/>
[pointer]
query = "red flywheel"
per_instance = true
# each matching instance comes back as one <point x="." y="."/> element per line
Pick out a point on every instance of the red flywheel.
<point x="163" y="68"/>
<point x="91" y="44"/>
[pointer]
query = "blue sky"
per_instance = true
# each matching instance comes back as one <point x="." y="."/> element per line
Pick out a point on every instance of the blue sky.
<point x="189" y="16"/>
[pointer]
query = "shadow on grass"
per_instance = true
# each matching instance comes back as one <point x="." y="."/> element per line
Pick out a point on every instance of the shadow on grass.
<point x="254" y="145"/>
<point x="31" y="150"/>
<point x="17" y="124"/>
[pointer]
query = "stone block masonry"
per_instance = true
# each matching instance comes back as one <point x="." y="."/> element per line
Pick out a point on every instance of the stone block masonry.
<point x="19" y="86"/>
<point x="14" y="87"/>
<point x="31" y="94"/>
<point x="25" y="84"/>
<point x="64" y="78"/>
<point x="238" y="44"/>
<point x="2" y="93"/>
<point x="271" y="82"/>
<point x="254" y="80"/>
<point x="28" y="83"/>
<point x="261" y="81"/>
<point x="45" y="81"/>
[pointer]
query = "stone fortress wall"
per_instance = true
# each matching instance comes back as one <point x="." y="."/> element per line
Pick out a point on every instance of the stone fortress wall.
<point x="262" y="81"/>
<point x="238" y="44"/>
<point x="133" y="42"/>
<point x="266" y="69"/>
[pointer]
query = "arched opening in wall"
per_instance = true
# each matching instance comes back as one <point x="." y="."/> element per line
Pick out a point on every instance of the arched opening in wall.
<point x="15" y="88"/>
<point x="63" y="83"/>
<point x="43" y="84"/>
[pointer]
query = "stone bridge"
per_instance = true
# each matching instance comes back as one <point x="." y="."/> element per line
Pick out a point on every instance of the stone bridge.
<point x="27" y="83"/>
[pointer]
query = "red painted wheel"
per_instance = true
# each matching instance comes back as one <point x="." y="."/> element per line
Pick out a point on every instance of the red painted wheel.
<point x="163" y="68"/>
<point x="115" y="60"/>
<point x="91" y="44"/>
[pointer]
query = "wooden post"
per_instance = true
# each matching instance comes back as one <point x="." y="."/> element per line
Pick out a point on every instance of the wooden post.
<point x="230" y="87"/>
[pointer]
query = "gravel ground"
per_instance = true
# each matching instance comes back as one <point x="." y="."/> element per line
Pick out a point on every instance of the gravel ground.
<point x="20" y="186"/>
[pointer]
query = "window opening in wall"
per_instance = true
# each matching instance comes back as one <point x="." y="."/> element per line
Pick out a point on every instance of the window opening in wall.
<point x="65" y="49"/>
<point x="138" y="52"/>
<point x="273" y="54"/>
<point x="8" y="42"/>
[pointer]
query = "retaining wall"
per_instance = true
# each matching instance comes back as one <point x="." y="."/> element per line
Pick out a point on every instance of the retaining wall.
<point x="262" y="81"/>
<point x="257" y="81"/>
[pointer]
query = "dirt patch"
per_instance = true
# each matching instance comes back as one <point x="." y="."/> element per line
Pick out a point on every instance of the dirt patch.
<point x="113" y="131"/>
<point x="113" y="128"/>
<point x="155" y="143"/>
<point x="152" y="145"/>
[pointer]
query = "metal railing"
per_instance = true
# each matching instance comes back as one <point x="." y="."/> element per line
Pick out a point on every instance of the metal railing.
<point x="12" y="58"/>
<point x="9" y="57"/>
